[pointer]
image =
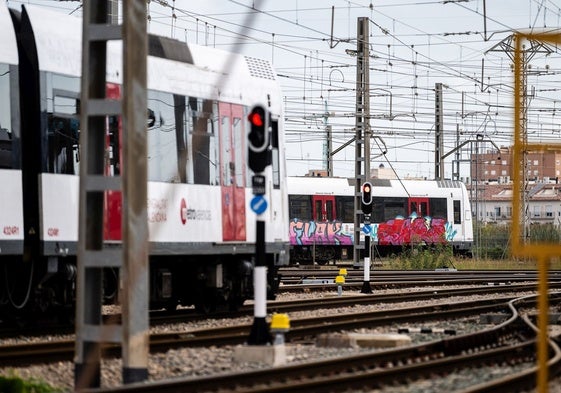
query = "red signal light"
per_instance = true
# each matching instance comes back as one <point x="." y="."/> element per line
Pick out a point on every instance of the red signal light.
<point x="256" y="119"/>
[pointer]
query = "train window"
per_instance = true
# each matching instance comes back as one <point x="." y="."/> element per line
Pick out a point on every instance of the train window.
<point x="318" y="211"/>
<point x="438" y="208"/>
<point x="204" y="148"/>
<point x="394" y="207"/>
<point x="345" y="207"/>
<point x="239" y="145"/>
<point x="181" y="119"/>
<point x="377" y="214"/>
<point x="114" y="145"/>
<point x="300" y="207"/>
<point x="5" y="148"/>
<point x="457" y="213"/>
<point x="413" y="206"/>
<point x="63" y="107"/>
<point x="226" y="152"/>
<point x="161" y="139"/>
<point x="5" y="117"/>
<point x="275" y="153"/>
<point x="329" y="209"/>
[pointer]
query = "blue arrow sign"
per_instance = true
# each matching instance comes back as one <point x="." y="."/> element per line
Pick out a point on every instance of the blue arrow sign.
<point x="258" y="204"/>
<point x="366" y="228"/>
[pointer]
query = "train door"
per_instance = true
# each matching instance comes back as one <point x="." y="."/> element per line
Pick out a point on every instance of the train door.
<point x="323" y="208"/>
<point x="420" y="206"/>
<point x="232" y="171"/>
<point x="113" y="199"/>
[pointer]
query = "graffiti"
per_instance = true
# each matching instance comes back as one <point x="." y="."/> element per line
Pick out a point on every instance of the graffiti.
<point x="304" y="233"/>
<point x="396" y="232"/>
<point x="416" y="230"/>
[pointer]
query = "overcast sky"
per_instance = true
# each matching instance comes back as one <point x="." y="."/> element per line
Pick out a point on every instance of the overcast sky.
<point x="414" y="45"/>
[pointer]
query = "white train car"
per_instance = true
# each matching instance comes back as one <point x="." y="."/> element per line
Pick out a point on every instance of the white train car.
<point x="404" y="212"/>
<point x="201" y="227"/>
<point x="11" y="198"/>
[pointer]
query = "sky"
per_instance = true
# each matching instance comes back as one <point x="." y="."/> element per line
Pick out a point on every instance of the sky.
<point x="414" y="44"/>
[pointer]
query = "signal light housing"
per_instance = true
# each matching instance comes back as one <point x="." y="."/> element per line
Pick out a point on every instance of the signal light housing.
<point x="366" y="197"/>
<point x="258" y="139"/>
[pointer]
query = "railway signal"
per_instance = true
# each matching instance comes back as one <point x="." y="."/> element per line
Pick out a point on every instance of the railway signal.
<point x="259" y="157"/>
<point x="366" y="198"/>
<point x="258" y="139"/>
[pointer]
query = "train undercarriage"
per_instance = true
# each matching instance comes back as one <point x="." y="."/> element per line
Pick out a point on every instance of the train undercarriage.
<point x="209" y="283"/>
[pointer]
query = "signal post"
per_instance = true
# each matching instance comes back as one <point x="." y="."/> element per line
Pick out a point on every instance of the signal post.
<point x="366" y="202"/>
<point x="258" y="159"/>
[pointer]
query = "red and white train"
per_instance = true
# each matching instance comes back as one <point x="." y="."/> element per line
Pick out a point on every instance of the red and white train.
<point x="404" y="212"/>
<point x="201" y="228"/>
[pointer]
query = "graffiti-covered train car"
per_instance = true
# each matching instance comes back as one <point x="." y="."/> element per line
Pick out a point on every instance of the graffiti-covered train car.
<point x="404" y="212"/>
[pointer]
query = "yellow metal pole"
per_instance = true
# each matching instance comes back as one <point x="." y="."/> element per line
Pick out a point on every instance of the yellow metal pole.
<point x="543" y="319"/>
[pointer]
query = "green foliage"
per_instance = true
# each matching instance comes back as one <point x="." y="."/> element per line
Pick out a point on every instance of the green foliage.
<point x="421" y="257"/>
<point x="14" y="384"/>
<point x="544" y="233"/>
<point x="492" y="241"/>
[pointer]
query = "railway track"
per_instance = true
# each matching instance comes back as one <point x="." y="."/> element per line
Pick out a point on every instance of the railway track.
<point x="392" y="278"/>
<point x="512" y="341"/>
<point x="189" y="315"/>
<point x="302" y="329"/>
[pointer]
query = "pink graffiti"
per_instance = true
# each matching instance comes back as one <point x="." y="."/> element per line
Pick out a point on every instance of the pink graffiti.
<point x="417" y="230"/>
<point x="311" y="232"/>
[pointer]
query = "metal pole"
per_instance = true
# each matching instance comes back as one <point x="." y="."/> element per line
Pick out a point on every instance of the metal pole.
<point x="361" y="128"/>
<point x="366" y="288"/>
<point x="438" y="133"/>
<point x="87" y="361"/>
<point x="135" y="217"/>
<point x="259" y="334"/>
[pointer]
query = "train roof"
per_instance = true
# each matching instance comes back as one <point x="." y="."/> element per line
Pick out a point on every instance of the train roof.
<point x="204" y="72"/>
<point x="8" y="46"/>
<point x="307" y="185"/>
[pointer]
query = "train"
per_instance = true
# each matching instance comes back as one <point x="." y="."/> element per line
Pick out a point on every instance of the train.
<point x="201" y="228"/>
<point x="404" y="213"/>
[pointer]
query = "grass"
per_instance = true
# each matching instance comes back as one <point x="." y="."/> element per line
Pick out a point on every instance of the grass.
<point x="422" y="258"/>
<point x="503" y="264"/>
<point x="15" y="384"/>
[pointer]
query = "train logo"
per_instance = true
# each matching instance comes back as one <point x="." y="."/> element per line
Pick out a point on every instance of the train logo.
<point x="183" y="211"/>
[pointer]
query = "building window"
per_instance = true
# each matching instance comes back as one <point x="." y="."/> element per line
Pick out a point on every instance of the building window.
<point x="504" y="162"/>
<point x="497" y="211"/>
<point x="536" y="211"/>
<point x="493" y="173"/>
<point x="503" y="173"/>
<point x="548" y="211"/>
<point x="536" y="162"/>
<point x="509" y="211"/>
